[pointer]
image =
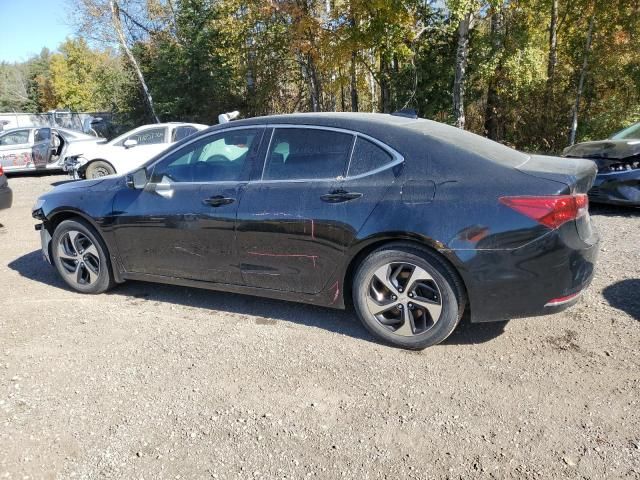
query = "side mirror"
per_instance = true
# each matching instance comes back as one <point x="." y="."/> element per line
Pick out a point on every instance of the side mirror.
<point x="138" y="179"/>
<point x="130" y="142"/>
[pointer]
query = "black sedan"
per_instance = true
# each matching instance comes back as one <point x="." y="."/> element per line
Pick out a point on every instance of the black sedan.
<point x="411" y="220"/>
<point x="618" y="161"/>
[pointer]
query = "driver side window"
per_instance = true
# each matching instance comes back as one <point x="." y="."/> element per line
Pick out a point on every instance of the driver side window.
<point x="216" y="158"/>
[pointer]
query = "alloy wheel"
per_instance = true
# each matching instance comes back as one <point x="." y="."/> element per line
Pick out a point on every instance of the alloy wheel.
<point x="100" y="172"/>
<point x="79" y="258"/>
<point x="404" y="298"/>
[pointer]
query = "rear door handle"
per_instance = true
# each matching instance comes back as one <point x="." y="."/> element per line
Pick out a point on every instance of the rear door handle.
<point x="338" y="196"/>
<point x="218" y="201"/>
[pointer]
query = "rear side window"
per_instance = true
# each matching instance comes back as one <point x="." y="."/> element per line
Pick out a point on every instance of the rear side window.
<point x="150" y="136"/>
<point x="367" y="156"/>
<point x="182" y="132"/>
<point x="15" y="138"/>
<point x="307" y="153"/>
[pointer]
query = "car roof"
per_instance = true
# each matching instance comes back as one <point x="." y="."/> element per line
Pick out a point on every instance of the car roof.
<point x="394" y="130"/>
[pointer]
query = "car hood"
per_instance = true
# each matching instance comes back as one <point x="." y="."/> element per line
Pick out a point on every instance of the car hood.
<point x="605" y="149"/>
<point x="96" y="184"/>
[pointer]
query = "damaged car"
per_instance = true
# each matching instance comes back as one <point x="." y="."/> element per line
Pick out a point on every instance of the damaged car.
<point x="25" y="149"/>
<point x="618" y="161"/>
<point x="128" y="151"/>
<point x="388" y="213"/>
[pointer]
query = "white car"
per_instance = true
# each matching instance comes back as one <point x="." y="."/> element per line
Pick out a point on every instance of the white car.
<point x="25" y="149"/>
<point x="130" y="150"/>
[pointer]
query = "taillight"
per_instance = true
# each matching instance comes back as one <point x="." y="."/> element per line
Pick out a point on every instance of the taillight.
<point x="551" y="211"/>
<point x="1" y="171"/>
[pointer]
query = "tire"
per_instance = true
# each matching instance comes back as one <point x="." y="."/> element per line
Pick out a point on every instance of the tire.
<point x="81" y="257"/>
<point x="407" y="296"/>
<point x="99" y="169"/>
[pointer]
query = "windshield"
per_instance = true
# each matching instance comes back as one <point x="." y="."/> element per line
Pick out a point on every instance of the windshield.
<point x="629" y="133"/>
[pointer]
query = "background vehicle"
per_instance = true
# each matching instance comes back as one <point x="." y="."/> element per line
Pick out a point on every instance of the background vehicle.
<point x="6" y="196"/>
<point x="129" y="150"/>
<point x="618" y="161"/>
<point x="16" y="147"/>
<point x="392" y="213"/>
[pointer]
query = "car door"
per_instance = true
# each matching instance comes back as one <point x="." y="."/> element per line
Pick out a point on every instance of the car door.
<point x="182" y="224"/>
<point x="15" y="149"/>
<point x="290" y="234"/>
<point x="41" y="148"/>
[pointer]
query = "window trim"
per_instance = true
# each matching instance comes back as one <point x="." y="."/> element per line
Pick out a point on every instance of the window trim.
<point x="397" y="158"/>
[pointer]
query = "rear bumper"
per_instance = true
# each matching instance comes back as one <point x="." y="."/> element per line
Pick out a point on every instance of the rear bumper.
<point x="617" y="188"/>
<point x="6" y="196"/>
<point x="541" y="278"/>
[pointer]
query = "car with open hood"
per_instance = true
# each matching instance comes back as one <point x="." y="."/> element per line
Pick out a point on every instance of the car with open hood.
<point x="618" y="161"/>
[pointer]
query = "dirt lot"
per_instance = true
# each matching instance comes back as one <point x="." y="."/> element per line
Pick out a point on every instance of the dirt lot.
<point x="156" y="381"/>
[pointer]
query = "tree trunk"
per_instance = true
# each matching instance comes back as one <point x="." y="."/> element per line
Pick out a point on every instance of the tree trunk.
<point x="553" y="46"/>
<point x="583" y="74"/>
<point x="315" y="90"/>
<point x="462" y="57"/>
<point x="549" y="117"/>
<point x="117" y="24"/>
<point x="385" y="88"/>
<point x="354" y="83"/>
<point x="491" y="117"/>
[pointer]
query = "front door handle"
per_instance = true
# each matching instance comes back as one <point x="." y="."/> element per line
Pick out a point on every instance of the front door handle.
<point x="338" y="196"/>
<point x="218" y="201"/>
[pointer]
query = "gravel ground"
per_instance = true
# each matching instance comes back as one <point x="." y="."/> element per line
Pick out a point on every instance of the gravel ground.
<point x="153" y="381"/>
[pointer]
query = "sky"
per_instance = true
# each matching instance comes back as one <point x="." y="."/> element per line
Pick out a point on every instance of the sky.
<point x="28" y="25"/>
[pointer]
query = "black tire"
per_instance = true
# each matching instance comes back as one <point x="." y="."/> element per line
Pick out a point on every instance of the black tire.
<point x="97" y="280"/>
<point x="443" y="283"/>
<point x="99" y="169"/>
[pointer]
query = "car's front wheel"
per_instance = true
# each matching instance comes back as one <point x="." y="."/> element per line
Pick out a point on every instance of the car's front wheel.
<point x="99" y="169"/>
<point x="81" y="258"/>
<point x="408" y="297"/>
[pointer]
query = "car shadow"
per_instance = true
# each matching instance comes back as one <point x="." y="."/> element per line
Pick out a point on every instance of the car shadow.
<point x="266" y="311"/>
<point x="625" y="295"/>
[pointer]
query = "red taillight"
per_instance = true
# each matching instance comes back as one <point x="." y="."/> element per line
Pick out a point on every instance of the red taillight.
<point x="1" y="171"/>
<point x="551" y="211"/>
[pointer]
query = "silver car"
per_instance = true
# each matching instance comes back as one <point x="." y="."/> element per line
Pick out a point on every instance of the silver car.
<point x="26" y="149"/>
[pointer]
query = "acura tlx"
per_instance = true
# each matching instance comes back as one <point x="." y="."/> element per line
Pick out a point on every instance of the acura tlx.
<point x="411" y="221"/>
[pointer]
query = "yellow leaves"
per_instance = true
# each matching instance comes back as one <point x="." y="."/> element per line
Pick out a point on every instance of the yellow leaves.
<point x="79" y="77"/>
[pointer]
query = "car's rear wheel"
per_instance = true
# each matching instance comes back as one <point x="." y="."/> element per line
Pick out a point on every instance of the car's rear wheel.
<point x="408" y="297"/>
<point x="99" y="169"/>
<point x="81" y="258"/>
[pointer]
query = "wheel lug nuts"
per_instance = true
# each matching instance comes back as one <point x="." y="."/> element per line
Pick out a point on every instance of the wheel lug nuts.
<point x="399" y="306"/>
<point x="411" y="306"/>
<point x="400" y="289"/>
<point x="393" y="297"/>
<point x="411" y="295"/>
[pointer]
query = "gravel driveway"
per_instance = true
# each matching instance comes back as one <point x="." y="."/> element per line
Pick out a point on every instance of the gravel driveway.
<point x="153" y="381"/>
